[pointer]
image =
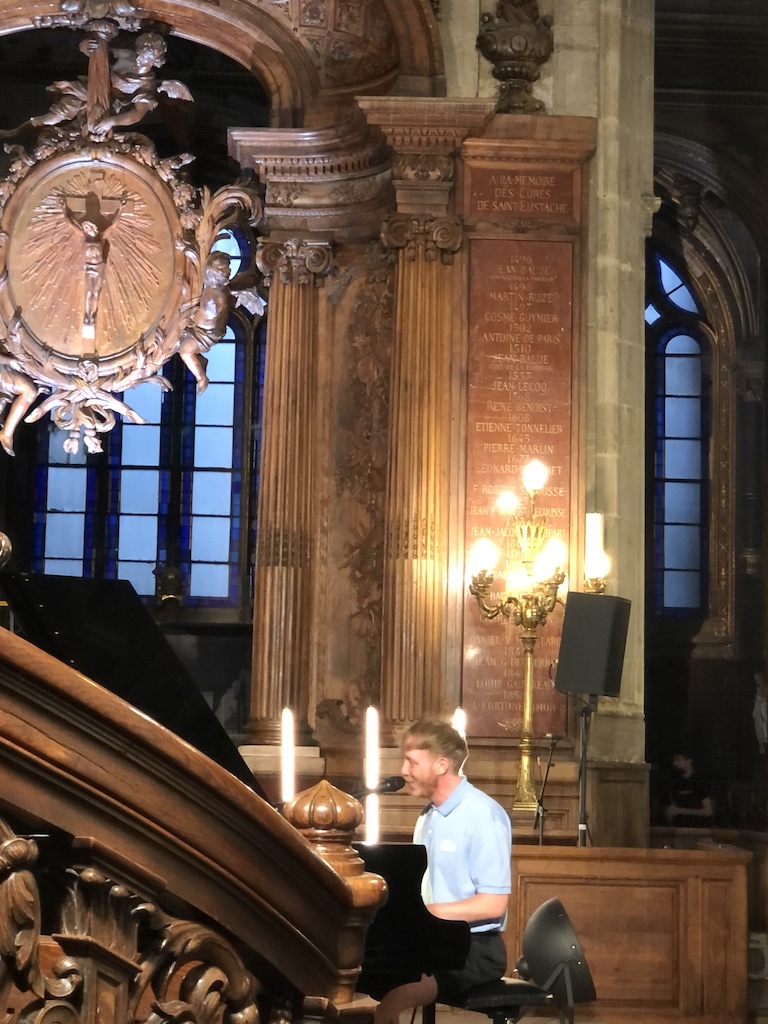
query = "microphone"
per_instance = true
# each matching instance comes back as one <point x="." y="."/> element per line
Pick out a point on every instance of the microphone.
<point x="389" y="785"/>
<point x="552" y="737"/>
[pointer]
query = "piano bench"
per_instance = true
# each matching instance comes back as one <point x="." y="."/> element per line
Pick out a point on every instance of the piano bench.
<point x="504" y="1001"/>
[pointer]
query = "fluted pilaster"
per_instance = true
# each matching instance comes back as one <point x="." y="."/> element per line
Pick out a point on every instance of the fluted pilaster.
<point x="282" y="592"/>
<point x="425" y="136"/>
<point x="415" y="568"/>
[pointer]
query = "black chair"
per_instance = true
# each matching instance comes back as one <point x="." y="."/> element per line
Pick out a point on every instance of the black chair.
<point x="552" y="969"/>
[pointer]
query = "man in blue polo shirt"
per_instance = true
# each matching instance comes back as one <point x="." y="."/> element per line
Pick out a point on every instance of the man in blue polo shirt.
<point x="468" y="839"/>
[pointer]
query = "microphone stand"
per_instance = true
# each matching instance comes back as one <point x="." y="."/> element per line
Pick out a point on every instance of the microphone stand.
<point x="538" y="820"/>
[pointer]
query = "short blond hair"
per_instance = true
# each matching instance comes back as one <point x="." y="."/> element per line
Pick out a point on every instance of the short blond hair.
<point x="439" y="737"/>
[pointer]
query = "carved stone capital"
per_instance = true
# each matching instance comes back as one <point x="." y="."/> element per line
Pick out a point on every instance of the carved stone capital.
<point x="430" y="235"/>
<point x="295" y="260"/>
<point x="517" y="40"/>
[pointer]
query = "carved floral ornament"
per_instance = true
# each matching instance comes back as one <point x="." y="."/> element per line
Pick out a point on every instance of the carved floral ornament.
<point x="107" y="258"/>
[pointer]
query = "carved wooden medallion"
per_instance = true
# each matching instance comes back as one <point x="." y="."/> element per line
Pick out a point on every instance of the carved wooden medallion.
<point x="108" y="264"/>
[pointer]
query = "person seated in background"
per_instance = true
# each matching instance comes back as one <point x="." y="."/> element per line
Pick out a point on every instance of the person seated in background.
<point x="689" y="801"/>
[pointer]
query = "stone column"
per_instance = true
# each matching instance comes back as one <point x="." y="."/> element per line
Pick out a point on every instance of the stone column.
<point x="425" y="136"/>
<point x="282" y="589"/>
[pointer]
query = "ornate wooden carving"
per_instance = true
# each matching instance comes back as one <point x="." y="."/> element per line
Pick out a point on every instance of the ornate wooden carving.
<point x="122" y="959"/>
<point x="107" y="266"/>
<point x="173" y="828"/>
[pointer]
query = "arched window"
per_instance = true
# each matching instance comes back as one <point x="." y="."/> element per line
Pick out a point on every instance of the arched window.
<point x="680" y="449"/>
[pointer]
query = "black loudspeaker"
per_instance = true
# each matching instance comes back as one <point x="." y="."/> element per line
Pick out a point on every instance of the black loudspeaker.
<point x="101" y="628"/>
<point x="592" y="646"/>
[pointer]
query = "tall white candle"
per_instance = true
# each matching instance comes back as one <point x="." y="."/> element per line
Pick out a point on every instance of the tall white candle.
<point x="371" y="774"/>
<point x="459" y="722"/>
<point x="287" y="757"/>
<point x="596" y="562"/>
<point x="371" y="819"/>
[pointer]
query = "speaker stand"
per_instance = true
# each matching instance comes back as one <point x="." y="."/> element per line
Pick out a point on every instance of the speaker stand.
<point x="538" y="818"/>
<point x="585" y="720"/>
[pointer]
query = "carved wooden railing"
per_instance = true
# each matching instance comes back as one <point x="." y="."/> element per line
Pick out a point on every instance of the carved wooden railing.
<point x="161" y="889"/>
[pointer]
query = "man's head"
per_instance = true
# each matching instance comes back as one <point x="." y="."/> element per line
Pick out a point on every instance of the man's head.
<point x="433" y="753"/>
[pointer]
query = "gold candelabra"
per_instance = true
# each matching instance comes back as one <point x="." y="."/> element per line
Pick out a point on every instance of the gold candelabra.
<point x="528" y="610"/>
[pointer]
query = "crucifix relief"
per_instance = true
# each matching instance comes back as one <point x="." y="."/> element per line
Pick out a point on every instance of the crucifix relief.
<point x="93" y="216"/>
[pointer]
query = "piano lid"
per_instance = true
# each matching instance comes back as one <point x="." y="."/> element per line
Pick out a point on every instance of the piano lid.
<point x="103" y="629"/>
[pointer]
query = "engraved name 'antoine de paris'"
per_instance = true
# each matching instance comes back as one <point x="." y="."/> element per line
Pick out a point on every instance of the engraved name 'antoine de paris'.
<point x="108" y="265"/>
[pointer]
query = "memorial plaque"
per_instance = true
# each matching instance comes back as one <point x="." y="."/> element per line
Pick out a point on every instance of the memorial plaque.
<point x="519" y="409"/>
<point x="526" y="193"/>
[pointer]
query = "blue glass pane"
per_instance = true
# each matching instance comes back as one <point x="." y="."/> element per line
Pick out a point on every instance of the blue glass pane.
<point x="212" y="494"/>
<point x="138" y="538"/>
<point x="141" y="445"/>
<point x="213" y="447"/>
<point x="66" y="489"/>
<point x="146" y="400"/>
<point x="221" y="362"/>
<point x="216" y="405"/>
<point x="682" y="417"/>
<point x="682" y="375"/>
<point x="140" y="575"/>
<point x="63" y="566"/>
<point x="64" y="535"/>
<point x="682" y="503"/>
<point x="682" y="345"/>
<point x="681" y="547"/>
<point x="210" y="539"/>
<point x="56" y="453"/>
<point x="682" y="589"/>
<point x="139" y="490"/>
<point x="651" y="314"/>
<point x="683" y="299"/>
<point x="209" y="580"/>
<point x="682" y="460"/>
<point x="669" y="279"/>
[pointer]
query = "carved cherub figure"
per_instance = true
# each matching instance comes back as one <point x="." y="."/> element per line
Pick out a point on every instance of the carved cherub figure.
<point x="209" y="320"/>
<point x="135" y="88"/>
<point x="16" y="389"/>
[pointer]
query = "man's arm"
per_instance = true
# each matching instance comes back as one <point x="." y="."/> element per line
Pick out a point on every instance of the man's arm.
<point x="483" y="906"/>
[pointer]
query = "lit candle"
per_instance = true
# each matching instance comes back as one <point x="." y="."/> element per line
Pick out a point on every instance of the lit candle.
<point x="460" y="722"/>
<point x="596" y="562"/>
<point x="287" y="757"/>
<point x="371" y="774"/>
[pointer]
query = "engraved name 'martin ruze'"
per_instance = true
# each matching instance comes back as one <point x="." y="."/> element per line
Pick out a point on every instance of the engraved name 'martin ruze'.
<point x="519" y="409"/>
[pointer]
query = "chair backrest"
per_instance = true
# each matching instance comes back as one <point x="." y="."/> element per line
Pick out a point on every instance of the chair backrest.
<point x="552" y="957"/>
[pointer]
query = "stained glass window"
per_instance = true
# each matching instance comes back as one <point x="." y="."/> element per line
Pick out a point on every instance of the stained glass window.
<point x="681" y="416"/>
